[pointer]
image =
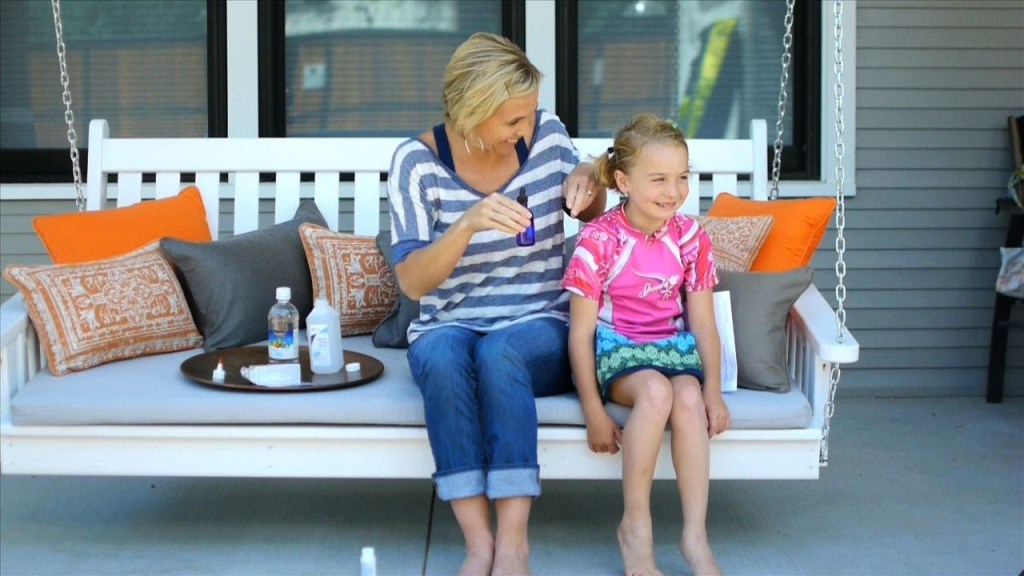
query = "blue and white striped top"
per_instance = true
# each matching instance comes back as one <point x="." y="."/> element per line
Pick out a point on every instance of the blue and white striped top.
<point x="496" y="283"/>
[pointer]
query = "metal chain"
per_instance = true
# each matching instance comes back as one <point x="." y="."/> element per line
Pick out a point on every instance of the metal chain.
<point x="840" y="150"/>
<point x="69" y="116"/>
<point x="780" y="123"/>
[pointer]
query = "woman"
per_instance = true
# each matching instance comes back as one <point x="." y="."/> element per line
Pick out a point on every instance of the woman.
<point x="492" y="331"/>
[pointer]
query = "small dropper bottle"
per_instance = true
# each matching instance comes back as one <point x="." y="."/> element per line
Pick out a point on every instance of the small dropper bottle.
<point x="368" y="562"/>
<point x="526" y="237"/>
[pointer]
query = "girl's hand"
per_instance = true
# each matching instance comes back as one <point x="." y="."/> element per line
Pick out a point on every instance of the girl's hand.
<point x="603" y="433"/>
<point x="496" y="212"/>
<point x="580" y="188"/>
<point x="718" y="415"/>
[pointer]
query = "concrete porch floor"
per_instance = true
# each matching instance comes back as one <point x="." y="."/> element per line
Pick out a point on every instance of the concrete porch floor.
<point x="916" y="486"/>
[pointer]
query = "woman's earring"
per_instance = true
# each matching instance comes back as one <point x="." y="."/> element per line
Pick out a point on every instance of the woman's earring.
<point x="481" y="142"/>
<point x="466" y="142"/>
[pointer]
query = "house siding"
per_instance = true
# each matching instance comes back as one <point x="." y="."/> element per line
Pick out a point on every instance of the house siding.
<point x="936" y="81"/>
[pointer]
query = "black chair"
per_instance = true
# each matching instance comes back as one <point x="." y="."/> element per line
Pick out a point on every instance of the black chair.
<point x="1004" y="304"/>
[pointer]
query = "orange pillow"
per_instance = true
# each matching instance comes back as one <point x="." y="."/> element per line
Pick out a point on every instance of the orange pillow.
<point x="795" y="234"/>
<point x="96" y="235"/>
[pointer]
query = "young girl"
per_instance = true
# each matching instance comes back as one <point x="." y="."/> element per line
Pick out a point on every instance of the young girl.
<point x="642" y="334"/>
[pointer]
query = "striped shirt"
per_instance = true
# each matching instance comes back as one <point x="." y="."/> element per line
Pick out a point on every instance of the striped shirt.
<point x="495" y="283"/>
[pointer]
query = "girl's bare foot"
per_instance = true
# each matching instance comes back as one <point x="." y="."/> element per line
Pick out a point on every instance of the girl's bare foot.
<point x="512" y="562"/>
<point x="697" y="553"/>
<point x="636" y="543"/>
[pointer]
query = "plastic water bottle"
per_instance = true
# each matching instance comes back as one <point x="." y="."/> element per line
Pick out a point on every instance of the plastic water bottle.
<point x="323" y="329"/>
<point x="283" y="329"/>
<point x="368" y="562"/>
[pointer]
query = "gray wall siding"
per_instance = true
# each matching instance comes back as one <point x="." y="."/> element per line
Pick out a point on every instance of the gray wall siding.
<point x="936" y="81"/>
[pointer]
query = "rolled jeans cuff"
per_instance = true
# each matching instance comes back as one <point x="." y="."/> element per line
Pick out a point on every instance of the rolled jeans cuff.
<point x="460" y="485"/>
<point x="513" y="483"/>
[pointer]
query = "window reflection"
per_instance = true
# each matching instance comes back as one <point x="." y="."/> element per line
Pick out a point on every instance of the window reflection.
<point x="372" y="67"/>
<point x="712" y="65"/>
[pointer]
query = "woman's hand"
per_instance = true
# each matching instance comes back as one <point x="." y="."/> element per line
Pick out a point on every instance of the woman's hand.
<point x="496" y="212"/>
<point x="603" y="433"/>
<point x="718" y="414"/>
<point x="581" y="189"/>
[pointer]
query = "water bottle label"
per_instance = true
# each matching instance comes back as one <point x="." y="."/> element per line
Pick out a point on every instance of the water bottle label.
<point x="283" y="345"/>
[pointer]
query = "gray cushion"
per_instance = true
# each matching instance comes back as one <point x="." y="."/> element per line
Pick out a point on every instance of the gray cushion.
<point x="230" y="283"/>
<point x="760" y="305"/>
<point x="392" y="332"/>
<point x="152" y="390"/>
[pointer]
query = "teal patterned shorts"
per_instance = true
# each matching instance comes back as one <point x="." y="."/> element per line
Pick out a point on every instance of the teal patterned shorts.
<point x="617" y="356"/>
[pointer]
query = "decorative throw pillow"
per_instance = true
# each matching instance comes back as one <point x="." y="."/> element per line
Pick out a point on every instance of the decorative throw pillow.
<point x="760" y="305"/>
<point x="351" y="273"/>
<point x="106" y="310"/>
<point x="95" y="235"/>
<point x="736" y="241"/>
<point x="798" y="228"/>
<point x="393" y="330"/>
<point x="231" y="282"/>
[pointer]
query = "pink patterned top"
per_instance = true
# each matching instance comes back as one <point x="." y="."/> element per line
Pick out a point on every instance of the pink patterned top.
<point x="638" y="278"/>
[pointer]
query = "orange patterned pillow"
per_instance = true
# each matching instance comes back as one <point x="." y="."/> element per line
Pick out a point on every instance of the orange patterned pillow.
<point x="106" y="310"/>
<point x="736" y="241"/>
<point x="798" y="229"/>
<point x="351" y="273"/>
<point x="83" y="236"/>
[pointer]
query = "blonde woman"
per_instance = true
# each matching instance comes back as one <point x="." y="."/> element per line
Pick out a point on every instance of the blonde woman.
<point x="492" y="331"/>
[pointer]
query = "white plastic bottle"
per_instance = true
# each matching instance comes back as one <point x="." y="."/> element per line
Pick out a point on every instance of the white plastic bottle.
<point x="283" y="329"/>
<point x="323" y="329"/>
<point x="368" y="562"/>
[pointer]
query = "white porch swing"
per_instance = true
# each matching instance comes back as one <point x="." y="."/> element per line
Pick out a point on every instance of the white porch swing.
<point x="114" y="444"/>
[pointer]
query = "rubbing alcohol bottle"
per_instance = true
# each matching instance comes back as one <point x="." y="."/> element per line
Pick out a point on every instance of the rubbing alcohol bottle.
<point x="323" y="329"/>
<point x="283" y="329"/>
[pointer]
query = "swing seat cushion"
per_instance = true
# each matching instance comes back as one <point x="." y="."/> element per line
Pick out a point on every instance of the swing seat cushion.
<point x="96" y="235"/>
<point x="98" y="312"/>
<point x="798" y="228"/>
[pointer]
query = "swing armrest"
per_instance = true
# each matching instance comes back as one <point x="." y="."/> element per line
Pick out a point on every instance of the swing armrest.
<point x="20" y="355"/>
<point x="817" y="321"/>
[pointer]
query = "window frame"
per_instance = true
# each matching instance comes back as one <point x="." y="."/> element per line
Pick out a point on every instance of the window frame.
<point x="52" y="165"/>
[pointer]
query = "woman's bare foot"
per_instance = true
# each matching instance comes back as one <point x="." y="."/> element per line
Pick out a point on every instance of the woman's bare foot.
<point x="478" y="561"/>
<point x="636" y="543"/>
<point x="515" y="562"/>
<point x="697" y="553"/>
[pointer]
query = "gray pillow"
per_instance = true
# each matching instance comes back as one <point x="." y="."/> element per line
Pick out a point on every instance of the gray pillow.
<point x="760" y="305"/>
<point x="230" y="283"/>
<point x="392" y="332"/>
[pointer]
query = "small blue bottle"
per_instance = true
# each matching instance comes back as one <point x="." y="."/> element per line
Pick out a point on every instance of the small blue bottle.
<point x="526" y="237"/>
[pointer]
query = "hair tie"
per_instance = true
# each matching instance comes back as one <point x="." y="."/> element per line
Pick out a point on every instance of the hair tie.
<point x="611" y="152"/>
<point x="674" y="125"/>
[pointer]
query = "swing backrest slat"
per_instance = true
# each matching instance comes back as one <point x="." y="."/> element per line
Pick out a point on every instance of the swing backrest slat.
<point x="248" y="163"/>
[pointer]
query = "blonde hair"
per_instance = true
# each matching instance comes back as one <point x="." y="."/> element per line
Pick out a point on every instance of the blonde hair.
<point x="629" y="141"/>
<point x="485" y="71"/>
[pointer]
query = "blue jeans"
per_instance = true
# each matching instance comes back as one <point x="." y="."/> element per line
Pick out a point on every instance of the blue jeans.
<point x="478" y="395"/>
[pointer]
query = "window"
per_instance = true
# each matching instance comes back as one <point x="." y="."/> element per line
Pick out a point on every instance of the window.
<point x="148" y="67"/>
<point x="364" y="67"/>
<point x="711" y="65"/>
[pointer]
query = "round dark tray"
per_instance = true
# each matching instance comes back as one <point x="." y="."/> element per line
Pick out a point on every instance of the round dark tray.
<point x="200" y="368"/>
